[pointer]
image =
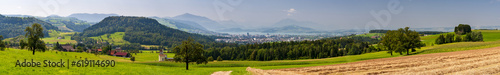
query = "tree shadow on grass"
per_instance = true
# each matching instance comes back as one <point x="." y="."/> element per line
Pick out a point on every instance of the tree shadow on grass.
<point x="418" y="52"/>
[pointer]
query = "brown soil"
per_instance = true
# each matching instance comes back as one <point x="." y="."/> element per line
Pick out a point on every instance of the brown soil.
<point x="222" y="73"/>
<point x="471" y="62"/>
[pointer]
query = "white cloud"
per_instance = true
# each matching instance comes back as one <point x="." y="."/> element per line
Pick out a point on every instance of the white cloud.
<point x="290" y="11"/>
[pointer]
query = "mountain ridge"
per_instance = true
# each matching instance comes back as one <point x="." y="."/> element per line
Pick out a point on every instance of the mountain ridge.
<point x="142" y="30"/>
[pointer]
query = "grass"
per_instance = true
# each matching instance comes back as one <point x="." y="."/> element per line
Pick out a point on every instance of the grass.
<point x="146" y="62"/>
<point x="371" y="34"/>
<point x="54" y="37"/>
<point x="490" y="35"/>
<point x="115" y="38"/>
<point x="10" y="57"/>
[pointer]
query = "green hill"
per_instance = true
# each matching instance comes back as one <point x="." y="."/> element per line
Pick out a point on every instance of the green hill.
<point x="115" y="38"/>
<point x="68" y="24"/>
<point x="141" y="30"/>
<point x="14" y="26"/>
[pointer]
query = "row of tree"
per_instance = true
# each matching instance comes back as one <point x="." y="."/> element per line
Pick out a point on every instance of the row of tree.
<point x="450" y="38"/>
<point x="332" y="47"/>
<point x="460" y="30"/>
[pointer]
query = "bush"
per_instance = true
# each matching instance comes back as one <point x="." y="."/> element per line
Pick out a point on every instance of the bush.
<point x="210" y="59"/>
<point x="462" y="29"/>
<point x="474" y="36"/>
<point x="132" y="59"/>
<point x="219" y="58"/>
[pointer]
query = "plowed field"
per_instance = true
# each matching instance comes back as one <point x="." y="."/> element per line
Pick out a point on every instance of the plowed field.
<point x="470" y="62"/>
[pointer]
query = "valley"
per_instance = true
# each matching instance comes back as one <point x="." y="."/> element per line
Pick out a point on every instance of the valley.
<point x="249" y="37"/>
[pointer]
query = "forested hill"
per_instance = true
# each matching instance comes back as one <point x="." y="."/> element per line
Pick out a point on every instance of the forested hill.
<point x="142" y="30"/>
<point x="14" y="26"/>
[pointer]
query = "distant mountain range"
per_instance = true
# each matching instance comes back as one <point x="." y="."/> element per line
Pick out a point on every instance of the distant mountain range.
<point x="283" y="29"/>
<point x="95" y="17"/>
<point x="14" y="26"/>
<point x="288" y="21"/>
<point x="203" y="21"/>
<point x="290" y="29"/>
<point x="188" y="26"/>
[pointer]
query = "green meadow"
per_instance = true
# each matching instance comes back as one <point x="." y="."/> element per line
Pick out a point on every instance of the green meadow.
<point x="54" y="37"/>
<point x="115" y="38"/>
<point x="147" y="62"/>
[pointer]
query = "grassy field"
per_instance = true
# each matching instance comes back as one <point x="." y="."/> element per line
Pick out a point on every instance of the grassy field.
<point x="490" y="35"/>
<point x="371" y="34"/>
<point x="115" y="38"/>
<point x="54" y="37"/>
<point x="10" y="57"/>
<point x="147" y="62"/>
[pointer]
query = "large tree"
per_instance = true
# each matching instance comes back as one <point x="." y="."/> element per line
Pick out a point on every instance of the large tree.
<point x="34" y="33"/>
<point x="401" y="40"/>
<point x="462" y="29"/>
<point x="411" y="40"/>
<point x="390" y="41"/>
<point x="190" y="52"/>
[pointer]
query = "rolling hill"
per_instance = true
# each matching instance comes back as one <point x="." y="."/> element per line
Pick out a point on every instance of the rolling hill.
<point x="142" y="30"/>
<point x="68" y="24"/>
<point x="14" y="26"/>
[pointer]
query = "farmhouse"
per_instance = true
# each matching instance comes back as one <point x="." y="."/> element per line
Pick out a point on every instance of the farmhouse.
<point x="117" y="52"/>
<point x="112" y="52"/>
<point x="122" y="54"/>
<point x="68" y="48"/>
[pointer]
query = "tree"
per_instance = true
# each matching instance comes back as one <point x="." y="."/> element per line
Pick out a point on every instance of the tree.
<point x="411" y="40"/>
<point x="390" y="41"/>
<point x="462" y="29"/>
<point x="189" y="52"/>
<point x="474" y="36"/>
<point x="401" y="40"/>
<point x="210" y="59"/>
<point x="132" y="59"/>
<point x="458" y="38"/>
<point x="219" y="58"/>
<point x="450" y="38"/>
<point x="33" y="34"/>
<point x="440" y="40"/>
<point x="2" y="44"/>
<point x="106" y="49"/>
<point x="22" y="44"/>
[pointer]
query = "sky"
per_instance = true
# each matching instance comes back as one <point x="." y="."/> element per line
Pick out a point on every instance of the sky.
<point x="329" y="14"/>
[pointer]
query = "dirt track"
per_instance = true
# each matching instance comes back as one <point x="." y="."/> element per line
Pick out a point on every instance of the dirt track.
<point x="471" y="62"/>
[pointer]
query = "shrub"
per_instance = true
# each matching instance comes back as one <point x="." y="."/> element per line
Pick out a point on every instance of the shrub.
<point x="219" y="58"/>
<point x="210" y="59"/>
<point x="132" y="59"/>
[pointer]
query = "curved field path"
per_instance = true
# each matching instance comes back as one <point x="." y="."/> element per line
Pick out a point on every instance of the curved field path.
<point x="470" y="62"/>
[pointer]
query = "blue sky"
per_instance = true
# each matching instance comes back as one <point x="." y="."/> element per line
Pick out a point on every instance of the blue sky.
<point x="331" y="14"/>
